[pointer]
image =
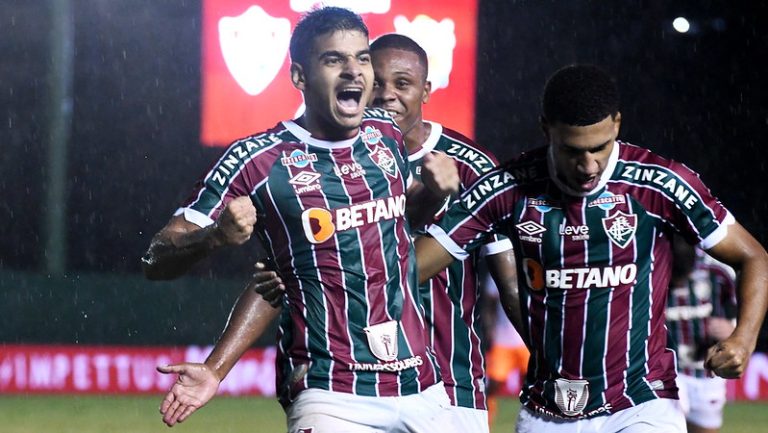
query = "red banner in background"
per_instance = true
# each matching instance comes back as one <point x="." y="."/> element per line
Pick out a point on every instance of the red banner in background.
<point x="121" y="370"/>
<point x="32" y="369"/>
<point x="246" y="86"/>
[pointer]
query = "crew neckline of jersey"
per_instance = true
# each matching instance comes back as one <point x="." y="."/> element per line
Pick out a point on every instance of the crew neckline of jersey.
<point x="430" y="143"/>
<point x="306" y="137"/>
<point x="604" y="177"/>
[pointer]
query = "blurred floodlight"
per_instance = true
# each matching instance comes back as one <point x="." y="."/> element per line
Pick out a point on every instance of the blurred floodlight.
<point x="681" y="25"/>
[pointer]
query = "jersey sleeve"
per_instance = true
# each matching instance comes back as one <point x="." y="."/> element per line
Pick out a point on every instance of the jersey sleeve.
<point x="477" y="213"/>
<point x="226" y="180"/>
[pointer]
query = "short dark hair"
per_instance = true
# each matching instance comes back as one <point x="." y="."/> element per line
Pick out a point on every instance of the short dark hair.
<point x="318" y="22"/>
<point x="580" y="95"/>
<point x="402" y="42"/>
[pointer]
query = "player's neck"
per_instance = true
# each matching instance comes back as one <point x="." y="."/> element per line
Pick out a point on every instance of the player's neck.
<point x="417" y="135"/>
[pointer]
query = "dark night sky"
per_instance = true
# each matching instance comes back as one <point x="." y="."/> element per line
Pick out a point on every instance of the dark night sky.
<point x="134" y="151"/>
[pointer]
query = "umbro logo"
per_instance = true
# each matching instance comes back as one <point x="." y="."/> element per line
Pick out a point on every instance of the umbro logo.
<point x="531" y="228"/>
<point x="304" y="178"/>
<point x="528" y="231"/>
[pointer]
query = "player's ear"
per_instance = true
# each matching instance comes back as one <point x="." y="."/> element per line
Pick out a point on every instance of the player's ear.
<point x="617" y="123"/>
<point x="427" y="92"/>
<point x="298" y="76"/>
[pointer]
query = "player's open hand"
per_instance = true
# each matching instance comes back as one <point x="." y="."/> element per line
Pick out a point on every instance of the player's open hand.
<point x="439" y="174"/>
<point x="728" y="358"/>
<point x="195" y="386"/>
<point x="268" y="284"/>
<point x="235" y="224"/>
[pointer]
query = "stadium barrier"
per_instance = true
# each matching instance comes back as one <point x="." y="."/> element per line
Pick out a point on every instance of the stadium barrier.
<point x="75" y="369"/>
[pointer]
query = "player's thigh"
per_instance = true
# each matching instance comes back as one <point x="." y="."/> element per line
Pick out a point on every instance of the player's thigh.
<point x="427" y="412"/>
<point x="470" y="420"/>
<point x="320" y="411"/>
<point x="662" y="415"/>
<point x="707" y="399"/>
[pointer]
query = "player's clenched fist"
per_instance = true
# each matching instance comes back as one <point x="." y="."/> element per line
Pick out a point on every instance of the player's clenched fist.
<point x="235" y="224"/>
<point x="439" y="174"/>
<point x="728" y="358"/>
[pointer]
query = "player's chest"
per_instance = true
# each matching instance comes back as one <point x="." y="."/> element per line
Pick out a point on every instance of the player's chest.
<point x="333" y="178"/>
<point x="580" y="229"/>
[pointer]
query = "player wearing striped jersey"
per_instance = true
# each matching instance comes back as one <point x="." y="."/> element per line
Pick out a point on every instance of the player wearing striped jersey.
<point x="330" y="189"/>
<point x="590" y="219"/>
<point x="701" y="310"/>
<point x="450" y="298"/>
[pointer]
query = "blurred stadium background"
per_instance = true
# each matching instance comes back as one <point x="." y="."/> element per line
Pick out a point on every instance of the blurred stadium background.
<point x="104" y="125"/>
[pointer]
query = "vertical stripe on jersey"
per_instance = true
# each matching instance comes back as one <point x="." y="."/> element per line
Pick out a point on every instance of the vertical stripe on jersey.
<point x="317" y="320"/>
<point x="642" y="306"/>
<point x="575" y="306"/>
<point x="551" y="252"/>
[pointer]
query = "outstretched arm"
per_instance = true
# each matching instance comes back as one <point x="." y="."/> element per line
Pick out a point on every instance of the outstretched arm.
<point x="728" y="358"/>
<point x="198" y="383"/>
<point x="181" y="244"/>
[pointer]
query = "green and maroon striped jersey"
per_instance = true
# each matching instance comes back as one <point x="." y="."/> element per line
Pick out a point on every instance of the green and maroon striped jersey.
<point x="593" y="271"/>
<point x="332" y="215"/>
<point x="450" y="297"/>
<point x="709" y="291"/>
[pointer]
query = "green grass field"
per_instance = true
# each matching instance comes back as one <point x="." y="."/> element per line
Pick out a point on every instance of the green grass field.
<point x="100" y="414"/>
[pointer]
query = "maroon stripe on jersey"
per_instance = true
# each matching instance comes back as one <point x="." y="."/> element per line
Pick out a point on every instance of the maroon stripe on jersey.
<point x="442" y="325"/>
<point x="575" y="307"/>
<point x="469" y="302"/>
<point x="537" y="310"/>
<point x="373" y="262"/>
<point x="253" y="168"/>
<point x="336" y="320"/>
<point x="633" y="154"/>
<point x="617" y="356"/>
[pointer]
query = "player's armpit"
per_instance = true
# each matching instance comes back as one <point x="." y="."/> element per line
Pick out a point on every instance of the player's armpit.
<point x="431" y="257"/>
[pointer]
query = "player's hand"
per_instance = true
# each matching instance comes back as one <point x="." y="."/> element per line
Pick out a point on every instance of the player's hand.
<point x="268" y="284"/>
<point x="439" y="174"/>
<point x="235" y="224"/>
<point x="194" y="387"/>
<point x="728" y="358"/>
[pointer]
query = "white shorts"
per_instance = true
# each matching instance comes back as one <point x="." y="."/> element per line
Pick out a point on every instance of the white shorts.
<point x="662" y="415"/>
<point x="321" y="411"/>
<point x="702" y="400"/>
<point x="470" y="420"/>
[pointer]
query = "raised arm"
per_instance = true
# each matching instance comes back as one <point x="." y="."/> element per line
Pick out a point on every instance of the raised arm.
<point x="728" y="358"/>
<point x="440" y="179"/>
<point x="181" y="244"/>
<point x="198" y="383"/>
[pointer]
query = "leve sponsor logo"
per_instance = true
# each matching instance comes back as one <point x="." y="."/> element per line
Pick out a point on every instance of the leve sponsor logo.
<point x="321" y="224"/>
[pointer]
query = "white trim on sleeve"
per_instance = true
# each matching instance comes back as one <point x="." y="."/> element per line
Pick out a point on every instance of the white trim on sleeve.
<point x="496" y="247"/>
<point x="719" y="234"/>
<point x="442" y="237"/>
<point x="193" y="216"/>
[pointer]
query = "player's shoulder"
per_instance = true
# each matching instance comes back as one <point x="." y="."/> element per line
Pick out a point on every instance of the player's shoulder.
<point x="639" y="164"/>
<point x="528" y="167"/>
<point x="461" y="148"/>
<point x="378" y="115"/>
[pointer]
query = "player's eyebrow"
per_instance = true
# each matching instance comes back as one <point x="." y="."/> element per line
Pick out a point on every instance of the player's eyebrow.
<point x="597" y="148"/>
<point x="337" y="53"/>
